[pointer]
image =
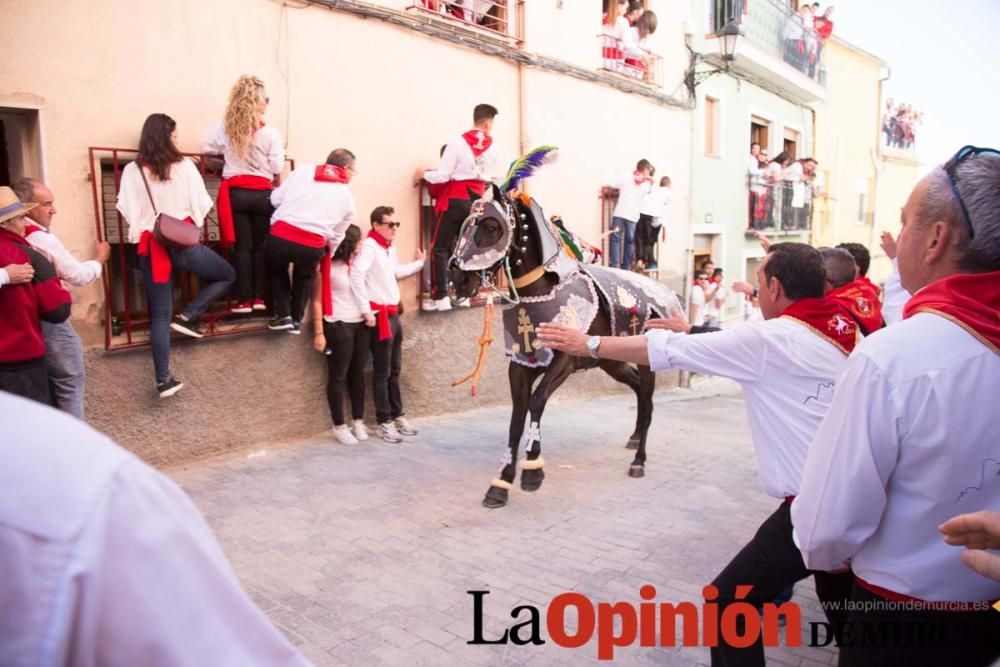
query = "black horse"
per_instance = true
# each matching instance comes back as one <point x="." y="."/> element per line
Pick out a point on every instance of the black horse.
<point x="510" y="234"/>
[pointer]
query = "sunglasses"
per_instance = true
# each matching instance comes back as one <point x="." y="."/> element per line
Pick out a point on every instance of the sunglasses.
<point x="949" y="169"/>
<point x="391" y="225"/>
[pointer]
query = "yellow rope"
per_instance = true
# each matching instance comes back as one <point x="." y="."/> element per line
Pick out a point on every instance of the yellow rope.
<point x="485" y="340"/>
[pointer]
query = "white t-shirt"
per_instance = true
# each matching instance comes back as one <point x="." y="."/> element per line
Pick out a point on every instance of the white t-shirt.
<point x="656" y="204"/>
<point x="265" y="158"/>
<point x="712" y="309"/>
<point x="698" y="300"/>
<point x="630" y="197"/>
<point x="182" y="196"/>
<point x="347" y="305"/>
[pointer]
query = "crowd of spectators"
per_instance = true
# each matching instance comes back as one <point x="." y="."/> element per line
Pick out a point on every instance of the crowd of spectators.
<point x="781" y="190"/>
<point x="899" y="124"/>
<point x="625" y="33"/>
<point x="485" y="13"/>
<point x="805" y="33"/>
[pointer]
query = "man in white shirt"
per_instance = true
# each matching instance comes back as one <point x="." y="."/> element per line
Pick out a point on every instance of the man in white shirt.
<point x="465" y="167"/>
<point x="786" y="365"/>
<point x="911" y="437"/>
<point x="374" y="273"/>
<point x="63" y="349"/>
<point x="313" y="209"/>
<point x="107" y="562"/>
<point x="652" y="215"/>
<point x="713" y="306"/>
<point x="697" y="301"/>
<point x="632" y="189"/>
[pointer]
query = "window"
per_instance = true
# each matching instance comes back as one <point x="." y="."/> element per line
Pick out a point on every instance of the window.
<point x="791" y="143"/>
<point x="711" y="127"/>
<point x="489" y="14"/>
<point x="760" y="132"/>
<point x="20" y="144"/>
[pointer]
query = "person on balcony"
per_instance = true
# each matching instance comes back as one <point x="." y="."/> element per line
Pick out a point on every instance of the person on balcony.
<point x="775" y="189"/>
<point x="25" y="304"/>
<point x="63" y="349"/>
<point x="254" y="157"/>
<point x="632" y="189"/>
<point x="313" y="209"/>
<point x="823" y="25"/>
<point x="794" y="35"/>
<point x="611" y="45"/>
<point x="374" y="276"/>
<point x="343" y="337"/>
<point x="466" y="166"/>
<point x="641" y="67"/>
<point x="628" y="37"/>
<point x="162" y="180"/>
<point x="756" y="179"/>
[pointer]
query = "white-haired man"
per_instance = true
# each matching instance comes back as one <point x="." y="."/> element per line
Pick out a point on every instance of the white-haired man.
<point x="911" y="438"/>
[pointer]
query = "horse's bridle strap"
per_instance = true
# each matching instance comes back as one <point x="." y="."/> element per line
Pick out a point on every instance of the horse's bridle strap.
<point x="529" y="277"/>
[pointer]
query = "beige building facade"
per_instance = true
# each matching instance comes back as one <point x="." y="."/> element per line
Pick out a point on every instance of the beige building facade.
<point x="389" y="80"/>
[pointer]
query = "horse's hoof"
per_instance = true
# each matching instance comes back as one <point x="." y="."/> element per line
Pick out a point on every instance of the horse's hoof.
<point x="636" y="471"/>
<point x="633" y="443"/>
<point x="532" y="479"/>
<point x="495" y="497"/>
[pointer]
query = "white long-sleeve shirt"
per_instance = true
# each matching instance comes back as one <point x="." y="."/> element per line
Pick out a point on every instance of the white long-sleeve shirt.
<point x="348" y="306"/>
<point x="630" y="197"/>
<point x="107" y="562"/>
<point x="910" y="440"/>
<point x="68" y="267"/>
<point x="894" y="296"/>
<point x="266" y="156"/>
<point x="315" y="206"/>
<point x="787" y="374"/>
<point x="182" y="196"/>
<point x="374" y="273"/>
<point x="4" y="277"/>
<point x="629" y="38"/>
<point x="656" y="204"/>
<point x="459" y="163"/>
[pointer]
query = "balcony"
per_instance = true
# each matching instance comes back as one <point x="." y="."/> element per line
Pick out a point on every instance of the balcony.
<point x="777" y="49"/>
<point x="648" y="70"/>
<point x="779" y="208"/>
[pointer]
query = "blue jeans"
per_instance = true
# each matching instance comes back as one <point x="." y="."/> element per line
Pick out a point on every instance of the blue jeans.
<point x="216" y="276"/>
<point x="626" y="229"/>
<point x="64" y="362"/>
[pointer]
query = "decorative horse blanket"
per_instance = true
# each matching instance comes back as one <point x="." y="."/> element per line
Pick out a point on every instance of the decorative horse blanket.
<point x="631" y="299"/>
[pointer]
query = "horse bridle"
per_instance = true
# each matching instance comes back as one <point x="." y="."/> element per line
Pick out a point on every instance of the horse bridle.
<point x="486" y="274"/>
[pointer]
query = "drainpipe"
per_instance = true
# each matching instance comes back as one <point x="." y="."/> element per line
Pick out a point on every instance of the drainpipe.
<point x="521" y="135"/>
<point x="876" y="159"/>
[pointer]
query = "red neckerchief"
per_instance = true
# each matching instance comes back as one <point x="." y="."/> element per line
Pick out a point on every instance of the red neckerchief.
<point x="328" y="173"/>
<point x="970" y="300"/>
<point x="381" y="240"/>
<point x="31" y="228"/>
<point x="478" y="141"/>
<point x="861" y="301"/>
<point x="826" y="318"/>
<point x="640" y="179"/>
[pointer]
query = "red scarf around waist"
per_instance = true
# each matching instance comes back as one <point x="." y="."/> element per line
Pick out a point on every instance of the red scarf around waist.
<point x="860" y="298"/>
<point x="826" y="318"/>
<point x="159" y="259"/>
<point x="227" y="231"/>
<point x="886" y="594"/>
<point x="457" y="190"/>
<point x="382" y="312"/>
<point x="970" y="300"/>
<point x="289" y="232"/>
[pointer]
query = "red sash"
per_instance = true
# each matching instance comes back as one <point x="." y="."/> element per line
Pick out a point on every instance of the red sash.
<point x="382" y="313"/>
<point x="159" y="259"/>
<point x="289" y="232"/>
<point x="31" y="228"/>
<point x="457" y="190"/>
<point x="886" y="594"/>
<point x="970" y="300"/>
<point x="826" y="318"/>
<point x="860" y="298"/>
<point x="227" y="231"/>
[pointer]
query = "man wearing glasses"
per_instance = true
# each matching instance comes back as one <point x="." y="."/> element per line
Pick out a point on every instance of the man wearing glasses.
<point x="374" y="273"/>
<point x="912" y="439"/>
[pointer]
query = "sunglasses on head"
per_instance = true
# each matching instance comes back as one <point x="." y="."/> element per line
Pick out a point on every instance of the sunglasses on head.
<point x="391" y="225"/>
<point x="949" y="169"/>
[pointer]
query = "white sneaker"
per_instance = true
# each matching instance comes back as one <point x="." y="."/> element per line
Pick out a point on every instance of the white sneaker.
<point x="462" y="303"/>
<point x="343" y="435"/>
<point x="387" y="431"/>
<point x="442" y="304"/>
<point x="428" y="304"/>
<point x="360" y="432"/>
<point x="403" y="426"/>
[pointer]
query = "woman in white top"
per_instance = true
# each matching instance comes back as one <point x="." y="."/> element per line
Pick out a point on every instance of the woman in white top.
<point x="254" y="157"/>
<point x="344" y="338"/>
<point x="167" y="182"/>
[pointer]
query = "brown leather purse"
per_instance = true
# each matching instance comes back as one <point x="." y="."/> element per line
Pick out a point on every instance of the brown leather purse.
<point x="169" y="231"/>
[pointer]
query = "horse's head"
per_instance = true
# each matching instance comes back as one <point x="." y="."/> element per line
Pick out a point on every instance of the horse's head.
<point x="483" y="242"/>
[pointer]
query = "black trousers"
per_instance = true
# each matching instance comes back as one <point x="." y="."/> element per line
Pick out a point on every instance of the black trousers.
<point x="645" y="239"/>
<point x="29" y="379"/>
<point x="882" y="637"/>
<point x="347" y="343"/>
<point x="770" y="563"/>
<point x="290" y="295"/>
<point x="387" y="361"/>
<point x="445" y="237"/>
<point x="252" y="222"/>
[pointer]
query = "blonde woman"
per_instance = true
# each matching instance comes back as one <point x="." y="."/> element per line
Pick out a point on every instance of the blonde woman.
<point x="254" y="156"/>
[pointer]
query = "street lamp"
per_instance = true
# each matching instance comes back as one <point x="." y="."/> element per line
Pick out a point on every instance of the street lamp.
<point x="727" y="39"/>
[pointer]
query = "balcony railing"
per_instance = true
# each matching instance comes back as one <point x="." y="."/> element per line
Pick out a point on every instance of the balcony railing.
<point x="776" y="29"/>
<point x="779" y="207"/>
<point x="488" y="14"/>
<point x="648" y="69"/>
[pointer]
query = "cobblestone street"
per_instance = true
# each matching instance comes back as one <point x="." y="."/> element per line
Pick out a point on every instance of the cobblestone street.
<point x="364" y="555"/>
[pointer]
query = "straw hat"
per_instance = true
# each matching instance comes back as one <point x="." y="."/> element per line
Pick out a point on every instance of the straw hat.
<point x="10" y="206"/>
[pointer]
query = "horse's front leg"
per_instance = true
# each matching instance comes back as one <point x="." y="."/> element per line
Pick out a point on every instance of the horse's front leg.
<point x="647" y="384"/>
<point x="532" y="472"/>
<point x="520" y="378"/>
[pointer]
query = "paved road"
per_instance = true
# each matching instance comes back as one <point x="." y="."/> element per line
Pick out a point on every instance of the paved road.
<point x="364" y="555"/>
